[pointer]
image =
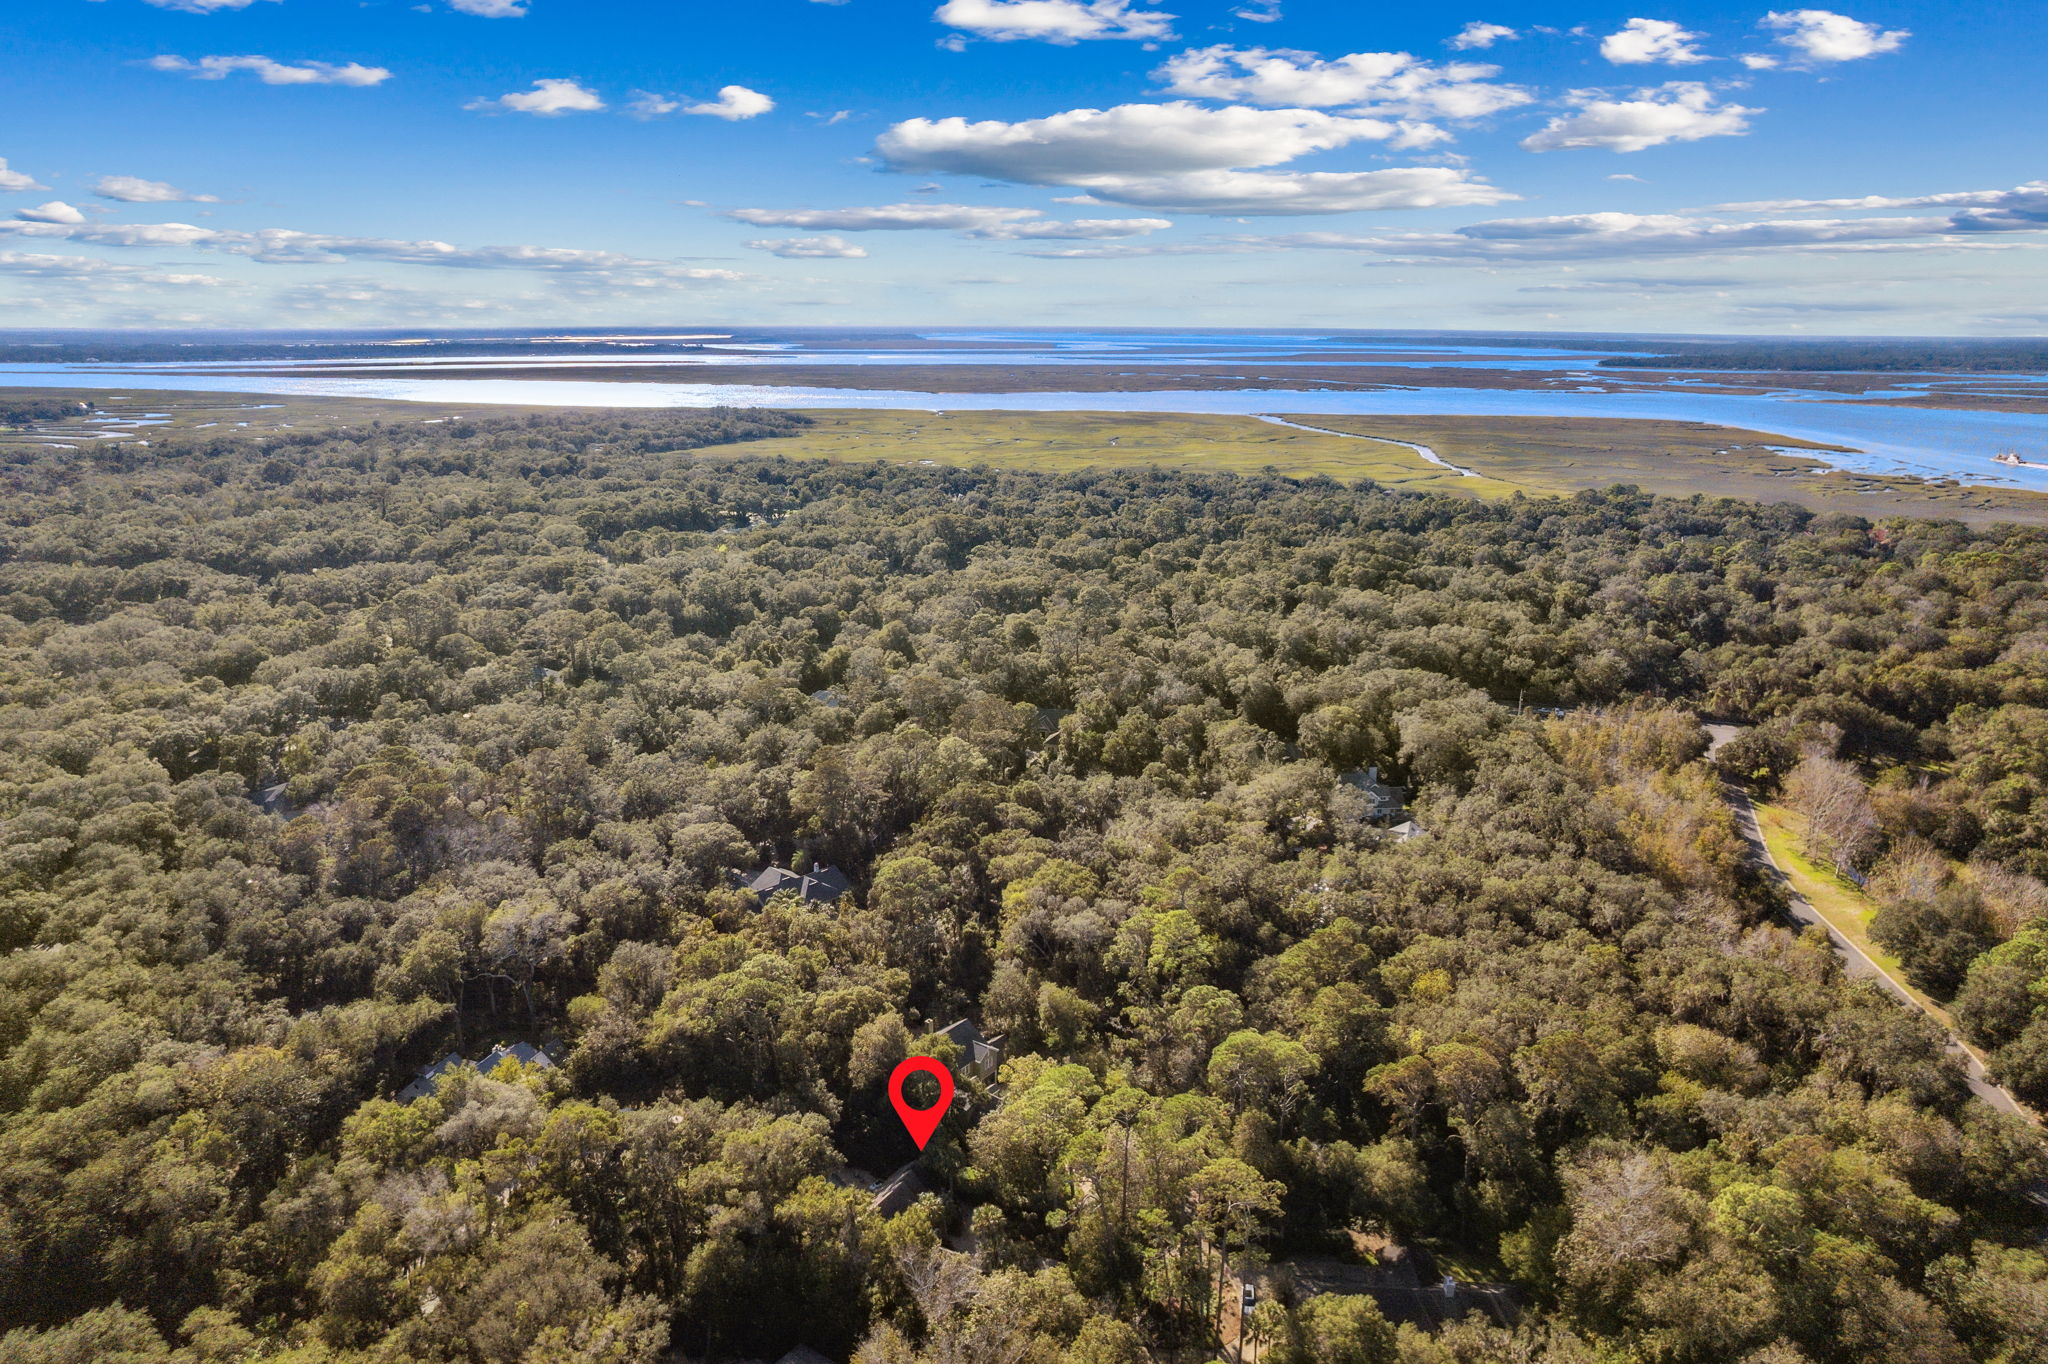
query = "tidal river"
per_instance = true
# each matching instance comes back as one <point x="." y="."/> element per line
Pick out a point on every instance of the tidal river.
<point x="1892" y="440"/>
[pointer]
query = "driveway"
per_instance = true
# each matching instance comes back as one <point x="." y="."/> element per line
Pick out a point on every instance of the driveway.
<point x="1855" y="960"/>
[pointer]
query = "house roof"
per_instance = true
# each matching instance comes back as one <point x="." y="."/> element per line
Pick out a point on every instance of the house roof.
<point x="896" y="1193"/>
<point x="822" y="884"/>
<point x="428" y="1077"/>
<point x="525" y="1053"/>
<point x="832" y="879"/>
<point x="1386" y="799"/>
<point x="275" y="800"/>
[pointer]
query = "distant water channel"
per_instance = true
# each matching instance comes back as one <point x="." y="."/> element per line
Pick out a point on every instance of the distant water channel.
<point x="1891" y="440"/>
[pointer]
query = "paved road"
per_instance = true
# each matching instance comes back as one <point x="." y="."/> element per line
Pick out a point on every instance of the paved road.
<point x="1855" y="960"/>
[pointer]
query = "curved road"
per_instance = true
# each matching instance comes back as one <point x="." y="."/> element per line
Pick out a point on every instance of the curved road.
<point x="1855" y="960"/>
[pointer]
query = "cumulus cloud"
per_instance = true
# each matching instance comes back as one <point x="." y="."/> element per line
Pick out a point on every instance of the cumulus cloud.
<point x="1055" y="21"/>
<point x="979" y="221"/>
<point x="1388" y="82"/>
<point x="133" y="189"/>
<point x="1651" y="40"/>
<point x="13" y="181"/>
<point x="272" y="72"/>
<point x="1478" y="34"/>
<point x="1259" y="11"/>
<point x="1084" y="147"/>
<point x="1678" y="111"/>
<point x="549" y="98"/>
<point x="1821" y="36"/>
<point x="56" y="211"/>
<point x="490" y="9"/>
<point x="827" y="247"/>
<point x="734" y="102"/>
<point x="1181" y="156"/>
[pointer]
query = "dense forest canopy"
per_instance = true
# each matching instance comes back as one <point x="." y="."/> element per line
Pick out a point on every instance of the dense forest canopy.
<point x="324" y="754"/>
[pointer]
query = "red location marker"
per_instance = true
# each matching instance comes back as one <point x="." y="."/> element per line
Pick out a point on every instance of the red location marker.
<point x="921" y="1122"/>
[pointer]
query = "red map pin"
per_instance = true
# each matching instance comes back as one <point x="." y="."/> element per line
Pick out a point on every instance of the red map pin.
<point x="921" y="1122"/>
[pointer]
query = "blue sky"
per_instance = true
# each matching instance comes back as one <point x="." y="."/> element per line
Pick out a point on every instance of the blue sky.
<point x="1683" y="167"/>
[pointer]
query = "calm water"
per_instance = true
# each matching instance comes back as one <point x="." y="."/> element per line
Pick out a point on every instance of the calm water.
<point x="1882" y="439"/>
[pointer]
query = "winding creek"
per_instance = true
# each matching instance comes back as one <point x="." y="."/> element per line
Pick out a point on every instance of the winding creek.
<point x="1874" y="438"/>
<point x="1423" y="450"/>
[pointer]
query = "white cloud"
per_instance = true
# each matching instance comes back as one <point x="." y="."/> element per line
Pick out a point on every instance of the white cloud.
<point x="200" y="6"/>
<point x="13" y="181"/>
<point x="1259" y="11"/>
<point x="979" y="221"/>
<point x="888" y="218"/>
<point x="133" y="189"/>
<point x="1820" y="35"/>
<point x="1240" y="193"/>
<point x="1055" y="21"/>
<point x="734" y="102"/>
<point x="826" y="247"/>
<point x="272" y="72"/>
<point x="1388" y="82"/>
<point x="1083" y="147"/>
<point x="1758" y="61"/>
<point x="1975" y="198"/>
<point x="1125" y="251"/>
<point x="287" y="246"/>
<point x="90" y="268"/>
<point x="490" y="9"/>
<point x="1076" y="229"/>
<point x="1604" y="236"/>
<point x="549" y="97"/>
<point x="1182" y="156"/>
<point x="1678" y="111"/>
<point x="1636" y="284"/>
<point x="1651" y="40"/>
<point x="2024" y="208"/>
<point x="56" y="211"/>
<point x="121" y="234"/>
<point x="1478" y="34"/>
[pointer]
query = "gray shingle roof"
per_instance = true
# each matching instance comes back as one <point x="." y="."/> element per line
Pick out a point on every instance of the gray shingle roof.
<point x="428" y="1078"/>
<point x="822" y="885"/>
